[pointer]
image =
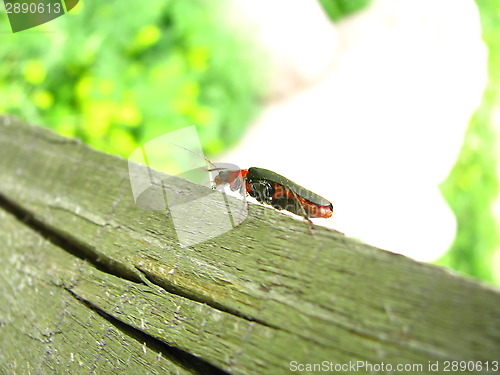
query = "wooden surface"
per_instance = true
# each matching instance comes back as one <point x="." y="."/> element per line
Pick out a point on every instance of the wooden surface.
<point x="90" y="283"/>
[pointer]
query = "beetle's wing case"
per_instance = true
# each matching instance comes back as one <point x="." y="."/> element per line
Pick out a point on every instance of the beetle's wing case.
<point x="255" y="173"/>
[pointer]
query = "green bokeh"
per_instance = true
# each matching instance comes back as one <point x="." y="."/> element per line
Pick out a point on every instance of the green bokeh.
<point x="336" y="9"/>
<point x="119" y="73"/>
<point x="471" y="189"/>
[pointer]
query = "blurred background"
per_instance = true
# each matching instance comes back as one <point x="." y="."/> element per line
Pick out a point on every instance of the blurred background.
<point x="387" y="108"/>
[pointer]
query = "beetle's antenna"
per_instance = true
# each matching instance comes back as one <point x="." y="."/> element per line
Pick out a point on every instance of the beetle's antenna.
<point x="214" y="168"/>
<point x="194" y="152"/>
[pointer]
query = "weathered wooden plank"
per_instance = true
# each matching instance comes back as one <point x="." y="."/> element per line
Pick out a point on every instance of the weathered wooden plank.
<point x="45" y="329"/>
<point x="251" y="300"/>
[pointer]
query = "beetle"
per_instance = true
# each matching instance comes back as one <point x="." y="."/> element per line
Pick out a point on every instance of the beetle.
<point x="271" y="188"/>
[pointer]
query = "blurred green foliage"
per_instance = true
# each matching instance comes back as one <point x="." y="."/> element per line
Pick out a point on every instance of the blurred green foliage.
<point x="471" y="189"/>
<point x="336" y="9"/>
<point x="119" y="73"/>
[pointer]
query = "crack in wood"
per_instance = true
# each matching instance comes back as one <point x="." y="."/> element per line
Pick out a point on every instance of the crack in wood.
<point x="173" y="289"/>
<point x="69" y="243"/>
<point x="86" y="253"/>
<point x="107" y="265"/>
<point x="182" y="358"/>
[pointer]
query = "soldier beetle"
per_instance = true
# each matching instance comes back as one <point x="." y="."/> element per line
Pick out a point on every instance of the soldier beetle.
<point x="271" y="188"/>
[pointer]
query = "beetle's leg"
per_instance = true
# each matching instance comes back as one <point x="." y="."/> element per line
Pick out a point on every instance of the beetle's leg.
<point x="244" y="205"/>
<point x="304" y="213"/>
